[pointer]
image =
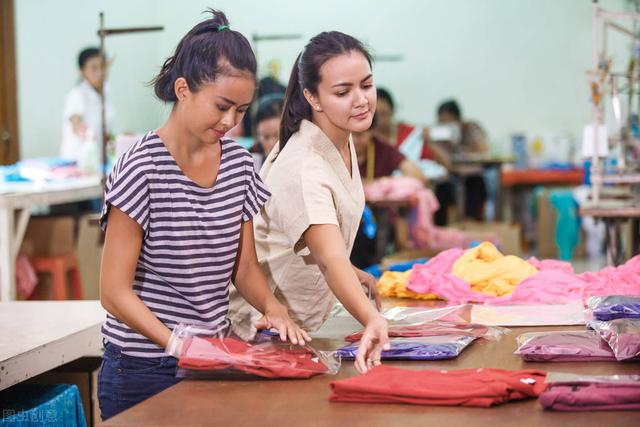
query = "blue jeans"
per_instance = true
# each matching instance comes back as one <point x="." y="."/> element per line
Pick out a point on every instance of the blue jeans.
<point x="125" y="381"/>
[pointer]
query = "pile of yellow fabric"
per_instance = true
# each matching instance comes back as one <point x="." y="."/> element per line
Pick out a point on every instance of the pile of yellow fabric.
<point x="490" y="272"/>
<point x="394" y="284"/>
<point x="484" y="267"/>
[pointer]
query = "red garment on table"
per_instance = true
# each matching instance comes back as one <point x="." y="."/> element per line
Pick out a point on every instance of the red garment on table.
<point x="429" y="329"/>
<point x="591" y="397"/>
<point x="465" y="387"/>
<point x="268" y="360"/>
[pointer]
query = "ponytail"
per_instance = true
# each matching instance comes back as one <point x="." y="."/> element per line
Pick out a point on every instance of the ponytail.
<point x="295" y="108"/>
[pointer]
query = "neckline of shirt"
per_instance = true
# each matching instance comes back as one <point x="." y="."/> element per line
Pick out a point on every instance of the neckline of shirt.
<point x="223" y="152"/>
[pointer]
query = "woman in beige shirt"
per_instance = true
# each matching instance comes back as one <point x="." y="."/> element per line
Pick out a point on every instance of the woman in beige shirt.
<point x="305" y="232"/>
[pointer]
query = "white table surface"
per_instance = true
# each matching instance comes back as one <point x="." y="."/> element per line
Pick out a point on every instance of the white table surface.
<point x="37" y="336"/>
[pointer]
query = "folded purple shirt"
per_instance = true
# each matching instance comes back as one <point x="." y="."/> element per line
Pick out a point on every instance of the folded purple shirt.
<point x="563" y="346"/>
<point x="422" y="348"/>
<point x="615" y="307"/>
<point x="591" y="397"/>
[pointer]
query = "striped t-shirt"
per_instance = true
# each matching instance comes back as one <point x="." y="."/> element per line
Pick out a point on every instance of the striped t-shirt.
<point x="190" y="235"/>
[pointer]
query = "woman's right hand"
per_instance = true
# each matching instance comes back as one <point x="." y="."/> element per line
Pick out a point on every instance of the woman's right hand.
<point x="374" y="339"/>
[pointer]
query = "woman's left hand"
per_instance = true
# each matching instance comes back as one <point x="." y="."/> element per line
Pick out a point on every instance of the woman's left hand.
<point x="277" y="317"/>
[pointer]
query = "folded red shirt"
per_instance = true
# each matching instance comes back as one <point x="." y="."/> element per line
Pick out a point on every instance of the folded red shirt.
<point x="268" y="360"/>
<point x="464" y="387"/>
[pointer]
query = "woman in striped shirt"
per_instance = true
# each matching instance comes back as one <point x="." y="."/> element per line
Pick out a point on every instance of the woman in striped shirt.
<point x="178" y="217"/>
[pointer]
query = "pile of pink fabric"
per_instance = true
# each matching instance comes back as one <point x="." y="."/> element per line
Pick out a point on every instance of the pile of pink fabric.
<point x="424" y="233"/>
<point x="555" y="282"/>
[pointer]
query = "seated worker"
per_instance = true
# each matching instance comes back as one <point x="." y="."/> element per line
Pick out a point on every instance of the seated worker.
<point x="267" y="121"/>
<point x="472" y="140"/>
<point x="377" y="159"/>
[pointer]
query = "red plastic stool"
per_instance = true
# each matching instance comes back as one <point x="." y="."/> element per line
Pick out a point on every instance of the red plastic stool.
<point x="58" y="267"/>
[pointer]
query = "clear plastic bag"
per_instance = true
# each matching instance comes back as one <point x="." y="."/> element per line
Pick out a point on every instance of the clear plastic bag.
<point x="438" y="328"/>
<point x="604" y="308"/>
<point x="420" y="348"/>
<point x="622" y="336"/>
<point x="204" y="354"/>
<point x="563" y="346"/>
<point x="567" y="378"/>
<point x="420" y="315"/>
<point x="573" y="392"/>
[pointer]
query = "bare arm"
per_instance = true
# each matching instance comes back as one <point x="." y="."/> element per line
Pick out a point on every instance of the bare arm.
<point x="122" y="246"/>
<point x="253" y="287"/>
<point x="410" y="169"/>
<point x="328" y="250"/>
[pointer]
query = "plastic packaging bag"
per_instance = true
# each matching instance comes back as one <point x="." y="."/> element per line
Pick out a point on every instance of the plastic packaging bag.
<point x="611" y="307"/>
<point x="622" y="335"/>
<point x="421" y="348"/>
<point x="205" y="355"/>
<point x="563" y="346"/>
<point x="438" y="328"/>
<point x="571" y="392"/>
<point x="567" y="378"/>
<point x="420" y="315"/>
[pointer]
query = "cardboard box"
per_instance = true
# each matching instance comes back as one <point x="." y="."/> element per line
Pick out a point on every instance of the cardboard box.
<point x="49" y="236"/>
<point x="89" y="254"/>
<point x="508" y="234"/>
<point x="546" y="247"/>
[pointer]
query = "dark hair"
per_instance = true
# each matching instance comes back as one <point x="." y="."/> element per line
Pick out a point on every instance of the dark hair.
<point x="269" y="107"/>
<point x="450" y="106"/>
<point x="306" y="75"/>
<point x="87" y="54"/>
<point x="208" y="50"/>
<point x="382" y="93"/>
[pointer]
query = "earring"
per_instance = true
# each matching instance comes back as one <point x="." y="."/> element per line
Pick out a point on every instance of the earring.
<point x="317" y="108"/>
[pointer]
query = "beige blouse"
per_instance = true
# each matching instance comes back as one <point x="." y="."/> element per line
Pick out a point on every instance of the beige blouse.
<point x="309" y="184"/>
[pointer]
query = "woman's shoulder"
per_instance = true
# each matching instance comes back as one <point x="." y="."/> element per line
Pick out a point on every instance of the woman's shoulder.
<point x="141" y="156"/>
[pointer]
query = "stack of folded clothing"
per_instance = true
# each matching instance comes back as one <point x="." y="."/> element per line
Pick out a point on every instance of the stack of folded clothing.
<point x="563" y="346"/>
<point x="597" y="393"/>
<point x="465" y="387"/>
<point x="418" y="348"/>
<point x="616" y="319"/>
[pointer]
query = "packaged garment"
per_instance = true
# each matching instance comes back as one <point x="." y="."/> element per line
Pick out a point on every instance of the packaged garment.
<point x="614" y="307"/>
<point x="465" y="387"/>
<point x="570" y="392"/>
<point x="420" y="348"/>
<point x="622" y="335"/>
<point x="563" y="346"/>
<point x="205" y="356"/>
<point x="437" y="328"/>
<point x="418" y="315"/>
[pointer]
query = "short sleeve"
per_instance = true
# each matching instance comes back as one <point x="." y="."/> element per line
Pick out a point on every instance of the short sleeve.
<point x="256" y="195"/>
<point x="304" y="200"/>
<point x="128" y="190"/>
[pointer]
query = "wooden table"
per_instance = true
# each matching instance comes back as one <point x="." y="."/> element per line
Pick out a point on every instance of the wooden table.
<point x="515" y="182"/>
<point x="613" y="214"/>
<point x="305" y="402"/>
<point x="38" y="336"/>
<point x="16" y="201"/>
